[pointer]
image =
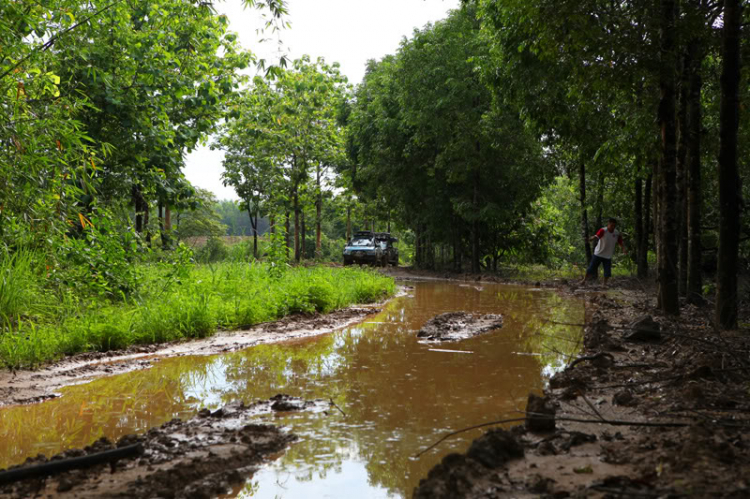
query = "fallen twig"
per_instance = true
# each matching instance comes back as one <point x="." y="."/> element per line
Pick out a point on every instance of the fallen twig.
<point x="590" y="357"/>
<point x="58" y="466"/>
<point x="336" y="406"/>
<point x="546" y="416"/>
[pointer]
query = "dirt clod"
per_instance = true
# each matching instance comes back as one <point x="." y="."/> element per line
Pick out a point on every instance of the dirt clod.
<point x="540" y="414"/>
<point x="455" y="326"/>
<point x="645" y="328"/>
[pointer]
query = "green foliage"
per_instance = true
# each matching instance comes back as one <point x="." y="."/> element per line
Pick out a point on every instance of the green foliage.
<point x="213" y="251"/>
<point x="99" y="258"/>
<point x="200" y="218"/>
<point x="19" y="286"/>
<point x="277" y="259"/>
<point x="554" y="226"/>
<point x="426" y="142"/>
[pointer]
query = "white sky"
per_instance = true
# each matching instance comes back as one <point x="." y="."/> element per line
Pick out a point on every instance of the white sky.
<point x="345" y="31"/>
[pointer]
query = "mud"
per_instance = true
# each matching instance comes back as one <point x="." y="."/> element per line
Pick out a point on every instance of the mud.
<point x="683" y="381"/>
<point x="457" y="326"/>
<point x="201" y="457"/>
<point x="25" y="387"/>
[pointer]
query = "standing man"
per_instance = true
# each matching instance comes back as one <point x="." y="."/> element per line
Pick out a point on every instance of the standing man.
<point x="607" y="238"/>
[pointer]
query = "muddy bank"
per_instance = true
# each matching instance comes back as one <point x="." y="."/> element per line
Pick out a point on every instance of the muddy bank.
<point x="200" y="457"/>
<point x="457" y="326"/>
<point x="23" y="387"/>
<point x="662" y="411"/>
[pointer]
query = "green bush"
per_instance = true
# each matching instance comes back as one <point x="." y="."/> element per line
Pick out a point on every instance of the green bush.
<point x="19" y="286"/>
<point x="214" y="251"/>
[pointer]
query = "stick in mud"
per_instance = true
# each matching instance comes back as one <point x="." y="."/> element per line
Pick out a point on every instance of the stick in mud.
<point x="61" y="465"/>
<point x="571" y="420"/>
<point x="337" y="407"/>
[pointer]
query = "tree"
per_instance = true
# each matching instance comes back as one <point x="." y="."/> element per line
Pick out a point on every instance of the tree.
<point x="729" y="195"/>
<point x="278" y="132"/>
<point x="425" y="140"/>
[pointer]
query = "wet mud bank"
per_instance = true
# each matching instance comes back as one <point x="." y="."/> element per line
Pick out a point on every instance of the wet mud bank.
<point x="654" y="406"/>
<point x="457" y="326"/>
<point x="26" y="387"/>
<point x="201" y="457"/>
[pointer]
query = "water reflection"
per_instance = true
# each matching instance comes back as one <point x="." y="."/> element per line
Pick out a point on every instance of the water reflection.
<point x="398" y="395"/>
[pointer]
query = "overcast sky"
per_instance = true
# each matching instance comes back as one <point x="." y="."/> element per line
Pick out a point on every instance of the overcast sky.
<point x="345" y="31"/>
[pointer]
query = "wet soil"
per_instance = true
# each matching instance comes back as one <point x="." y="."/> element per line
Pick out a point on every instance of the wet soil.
<point x="201" y="457"/>
<point x="457" y="326"/>
<point x="393" y="394"/>
<point x="25" y="387"/>
<point x="661" y="407"/>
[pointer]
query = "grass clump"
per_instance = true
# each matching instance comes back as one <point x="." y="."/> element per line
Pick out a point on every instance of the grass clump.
<point x="193" y="302"/>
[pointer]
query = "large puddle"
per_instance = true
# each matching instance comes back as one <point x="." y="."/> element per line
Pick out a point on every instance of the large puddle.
<point x="398" y="395"/>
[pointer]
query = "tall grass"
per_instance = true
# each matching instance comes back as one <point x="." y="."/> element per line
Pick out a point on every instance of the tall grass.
<point x="208" y="298"/>
<point x="19" y="286"/>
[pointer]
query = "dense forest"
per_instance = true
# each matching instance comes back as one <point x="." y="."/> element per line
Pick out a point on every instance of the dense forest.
<point x="505" y="134"/>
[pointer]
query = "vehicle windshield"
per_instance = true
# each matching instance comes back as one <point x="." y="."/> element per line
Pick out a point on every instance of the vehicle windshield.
<point x="362" y="242"/>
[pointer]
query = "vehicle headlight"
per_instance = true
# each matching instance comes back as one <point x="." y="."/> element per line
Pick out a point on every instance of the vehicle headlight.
<point x="347" y="251"/>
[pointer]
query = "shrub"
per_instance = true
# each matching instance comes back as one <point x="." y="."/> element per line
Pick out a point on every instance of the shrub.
<point x="213" y="251"/>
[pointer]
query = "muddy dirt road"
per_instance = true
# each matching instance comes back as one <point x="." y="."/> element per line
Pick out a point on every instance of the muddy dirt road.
<point x="393" y="393"/>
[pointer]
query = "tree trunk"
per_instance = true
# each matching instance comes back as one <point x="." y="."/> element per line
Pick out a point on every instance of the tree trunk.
<point x="348" y="223"/>
<point x="682" y="148"/>
<point x="584" y="211"/>
<point x="318" y="216"/>
<point x="303" y="235"/>
<point x="667" y="233"/>
<point x="418" y="247"/>
<point x="254" y="225"/>
<point x="287" y="237"/>
<point x="639" y="225"/>
<point x="643" y="240"/>
<point x="729" y="181"/>
<point x="600" y="203"/>
<point x="146" y="214"/>
<point x="695" y="272"/>
<point x="456" y="248"/>
<point x="475" y="268"/>
<point x="138" y="207"/>
<point x="297" y="254"/>
<point x="167" y="235"/>
<point x="164" y="225"/>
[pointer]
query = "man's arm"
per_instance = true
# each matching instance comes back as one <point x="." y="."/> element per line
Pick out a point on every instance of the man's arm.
<point x="622" y="245"/>
<point x="599" y="234"/>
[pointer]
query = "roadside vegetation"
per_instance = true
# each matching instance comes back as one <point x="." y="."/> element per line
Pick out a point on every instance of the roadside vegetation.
<point x="171" y="300"/>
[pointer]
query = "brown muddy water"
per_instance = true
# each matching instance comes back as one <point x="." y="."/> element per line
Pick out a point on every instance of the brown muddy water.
<point x="399" y="395"/>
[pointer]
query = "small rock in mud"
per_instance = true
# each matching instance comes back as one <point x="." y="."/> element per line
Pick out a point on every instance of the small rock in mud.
<point x="597" y="334"/>
<point x="455" y="326"/>
<point x="576" y="438"/>
<point x="495" y="448"/>
<point x="538" y="484"/>
<point x="623" y="397"/>
<point x="285" y="403"/>
<point x="644" y="329"/>
<point x="540" y="414"/>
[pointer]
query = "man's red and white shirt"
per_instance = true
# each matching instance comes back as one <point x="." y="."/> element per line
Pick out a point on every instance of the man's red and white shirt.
<point x="607" y="242"/>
